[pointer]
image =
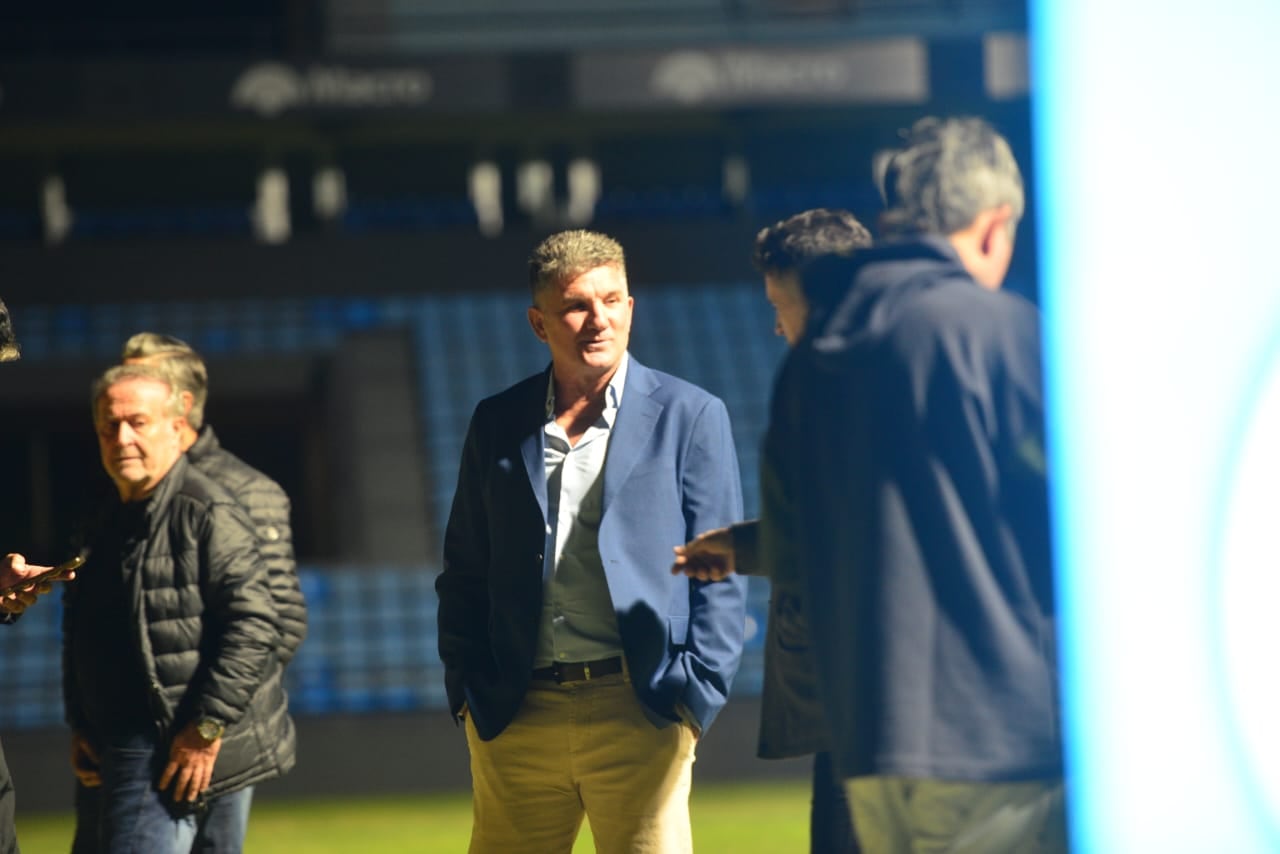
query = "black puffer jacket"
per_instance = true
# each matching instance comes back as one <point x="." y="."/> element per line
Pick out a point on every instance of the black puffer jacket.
<point x="206" y="628"/>
<point x="268" y="507"/>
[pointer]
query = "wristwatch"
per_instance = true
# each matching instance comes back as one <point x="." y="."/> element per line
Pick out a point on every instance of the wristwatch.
<point x="210" y="729"/>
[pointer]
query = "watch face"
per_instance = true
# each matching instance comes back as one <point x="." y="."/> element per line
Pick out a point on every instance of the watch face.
<point x="209" y="730"/>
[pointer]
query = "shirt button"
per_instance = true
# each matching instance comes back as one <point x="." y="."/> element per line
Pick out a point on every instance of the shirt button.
<point x="548" y="529"/>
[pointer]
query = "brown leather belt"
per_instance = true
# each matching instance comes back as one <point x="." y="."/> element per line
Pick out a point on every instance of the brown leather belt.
<point x="579" y="671"/>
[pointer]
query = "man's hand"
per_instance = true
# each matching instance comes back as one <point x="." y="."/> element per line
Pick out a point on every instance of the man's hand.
<point x="190" y="765"/>
<point x="84" y="761"/>
<point x="707" y="557"/>
<point x="14" y="569"/>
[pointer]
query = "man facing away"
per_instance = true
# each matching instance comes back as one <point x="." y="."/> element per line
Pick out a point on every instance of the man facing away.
<point x="911" y="421"/>
<point x="814" y="243"/>
<point x="223" y="823"/>
<point x="584" y="669"/>
<point x="169" y="636"/>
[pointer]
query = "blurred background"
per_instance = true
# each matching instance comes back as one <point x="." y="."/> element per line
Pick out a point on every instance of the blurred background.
<point x="332" y="201"/>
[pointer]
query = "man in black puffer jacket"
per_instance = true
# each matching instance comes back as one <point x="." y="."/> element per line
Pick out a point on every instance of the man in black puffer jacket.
<point x="263" y="498"/>
<point x="171" y="670"/>
<point x="222" y="825"/>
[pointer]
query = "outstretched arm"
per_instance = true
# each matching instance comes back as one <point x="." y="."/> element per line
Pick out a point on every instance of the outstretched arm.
<point x="22" y="584"/>
<point x="716" y="554"/>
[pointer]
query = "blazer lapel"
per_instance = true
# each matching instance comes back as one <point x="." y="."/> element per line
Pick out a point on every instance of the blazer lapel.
<point x="629" y="442"/>
<point x="532" y="417"/>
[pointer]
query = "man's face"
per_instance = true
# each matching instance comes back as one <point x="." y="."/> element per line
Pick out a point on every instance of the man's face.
<point x="789" y="305"/>
<point x="586" y="322"/>
<point x="137" y="438"/>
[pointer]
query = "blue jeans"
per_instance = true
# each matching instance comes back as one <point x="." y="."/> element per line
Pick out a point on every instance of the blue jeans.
<point x="126" y="814"/>
<point x="221" y="826"/>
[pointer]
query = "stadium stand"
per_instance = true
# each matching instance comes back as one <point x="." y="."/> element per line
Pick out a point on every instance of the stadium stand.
<point x="372" y="639"/>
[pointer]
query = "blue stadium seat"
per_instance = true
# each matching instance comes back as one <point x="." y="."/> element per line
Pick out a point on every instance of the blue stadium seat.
<point x="371" y="644"/>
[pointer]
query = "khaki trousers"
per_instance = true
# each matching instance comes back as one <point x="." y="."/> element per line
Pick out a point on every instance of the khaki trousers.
<point x="900" y="815"/>
<point x="575" y="749"/>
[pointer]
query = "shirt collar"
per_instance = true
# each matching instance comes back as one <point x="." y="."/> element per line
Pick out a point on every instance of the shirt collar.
<point x="612" y="394"/>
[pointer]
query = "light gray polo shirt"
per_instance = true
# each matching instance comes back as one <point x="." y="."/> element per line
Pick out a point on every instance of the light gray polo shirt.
<point x="578" y="618"/>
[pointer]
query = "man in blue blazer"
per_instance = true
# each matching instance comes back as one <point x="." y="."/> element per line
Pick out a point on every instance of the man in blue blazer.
<point x="584" y="670"/>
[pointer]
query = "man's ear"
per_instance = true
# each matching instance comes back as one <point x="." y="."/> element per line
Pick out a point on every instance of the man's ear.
<point x="995" y="230"/>
<point x="537" y="323"/>
<point x="188" y="400"/>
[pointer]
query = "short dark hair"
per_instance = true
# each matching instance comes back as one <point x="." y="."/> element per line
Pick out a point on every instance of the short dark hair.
<point x="945" y="173"/>
<point x="792" y="244"/>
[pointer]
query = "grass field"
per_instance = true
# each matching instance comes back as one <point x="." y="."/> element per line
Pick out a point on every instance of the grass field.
<point x="744" y="818"/>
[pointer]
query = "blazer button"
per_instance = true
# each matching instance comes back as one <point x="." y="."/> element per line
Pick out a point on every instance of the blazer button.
<point x="538" y="558"/>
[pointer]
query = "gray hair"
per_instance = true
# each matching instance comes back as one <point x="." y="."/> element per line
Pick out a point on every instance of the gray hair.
<point x="946" y="172"/>
<point x="182" y="366"/>
<point x="566" y="255"/>
<point x="124" y="373"/>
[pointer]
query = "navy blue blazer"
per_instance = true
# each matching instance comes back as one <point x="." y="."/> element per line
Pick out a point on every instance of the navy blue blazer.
<point x="671" y="472"/>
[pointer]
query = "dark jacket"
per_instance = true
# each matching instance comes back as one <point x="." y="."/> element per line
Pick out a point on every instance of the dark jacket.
<point x="912" y="422"/>
<point x="670" y="473"/>
<point x="792" y="719"/>
<point x="268" y="507"/>
<point x="205" y="628"/>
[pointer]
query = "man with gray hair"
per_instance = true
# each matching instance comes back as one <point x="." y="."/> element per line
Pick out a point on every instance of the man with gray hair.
<point x="169" y="636"/>
<point x="222" y="825"/>
<point x="265" y="500"/>
<point x="909" y="424"/>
